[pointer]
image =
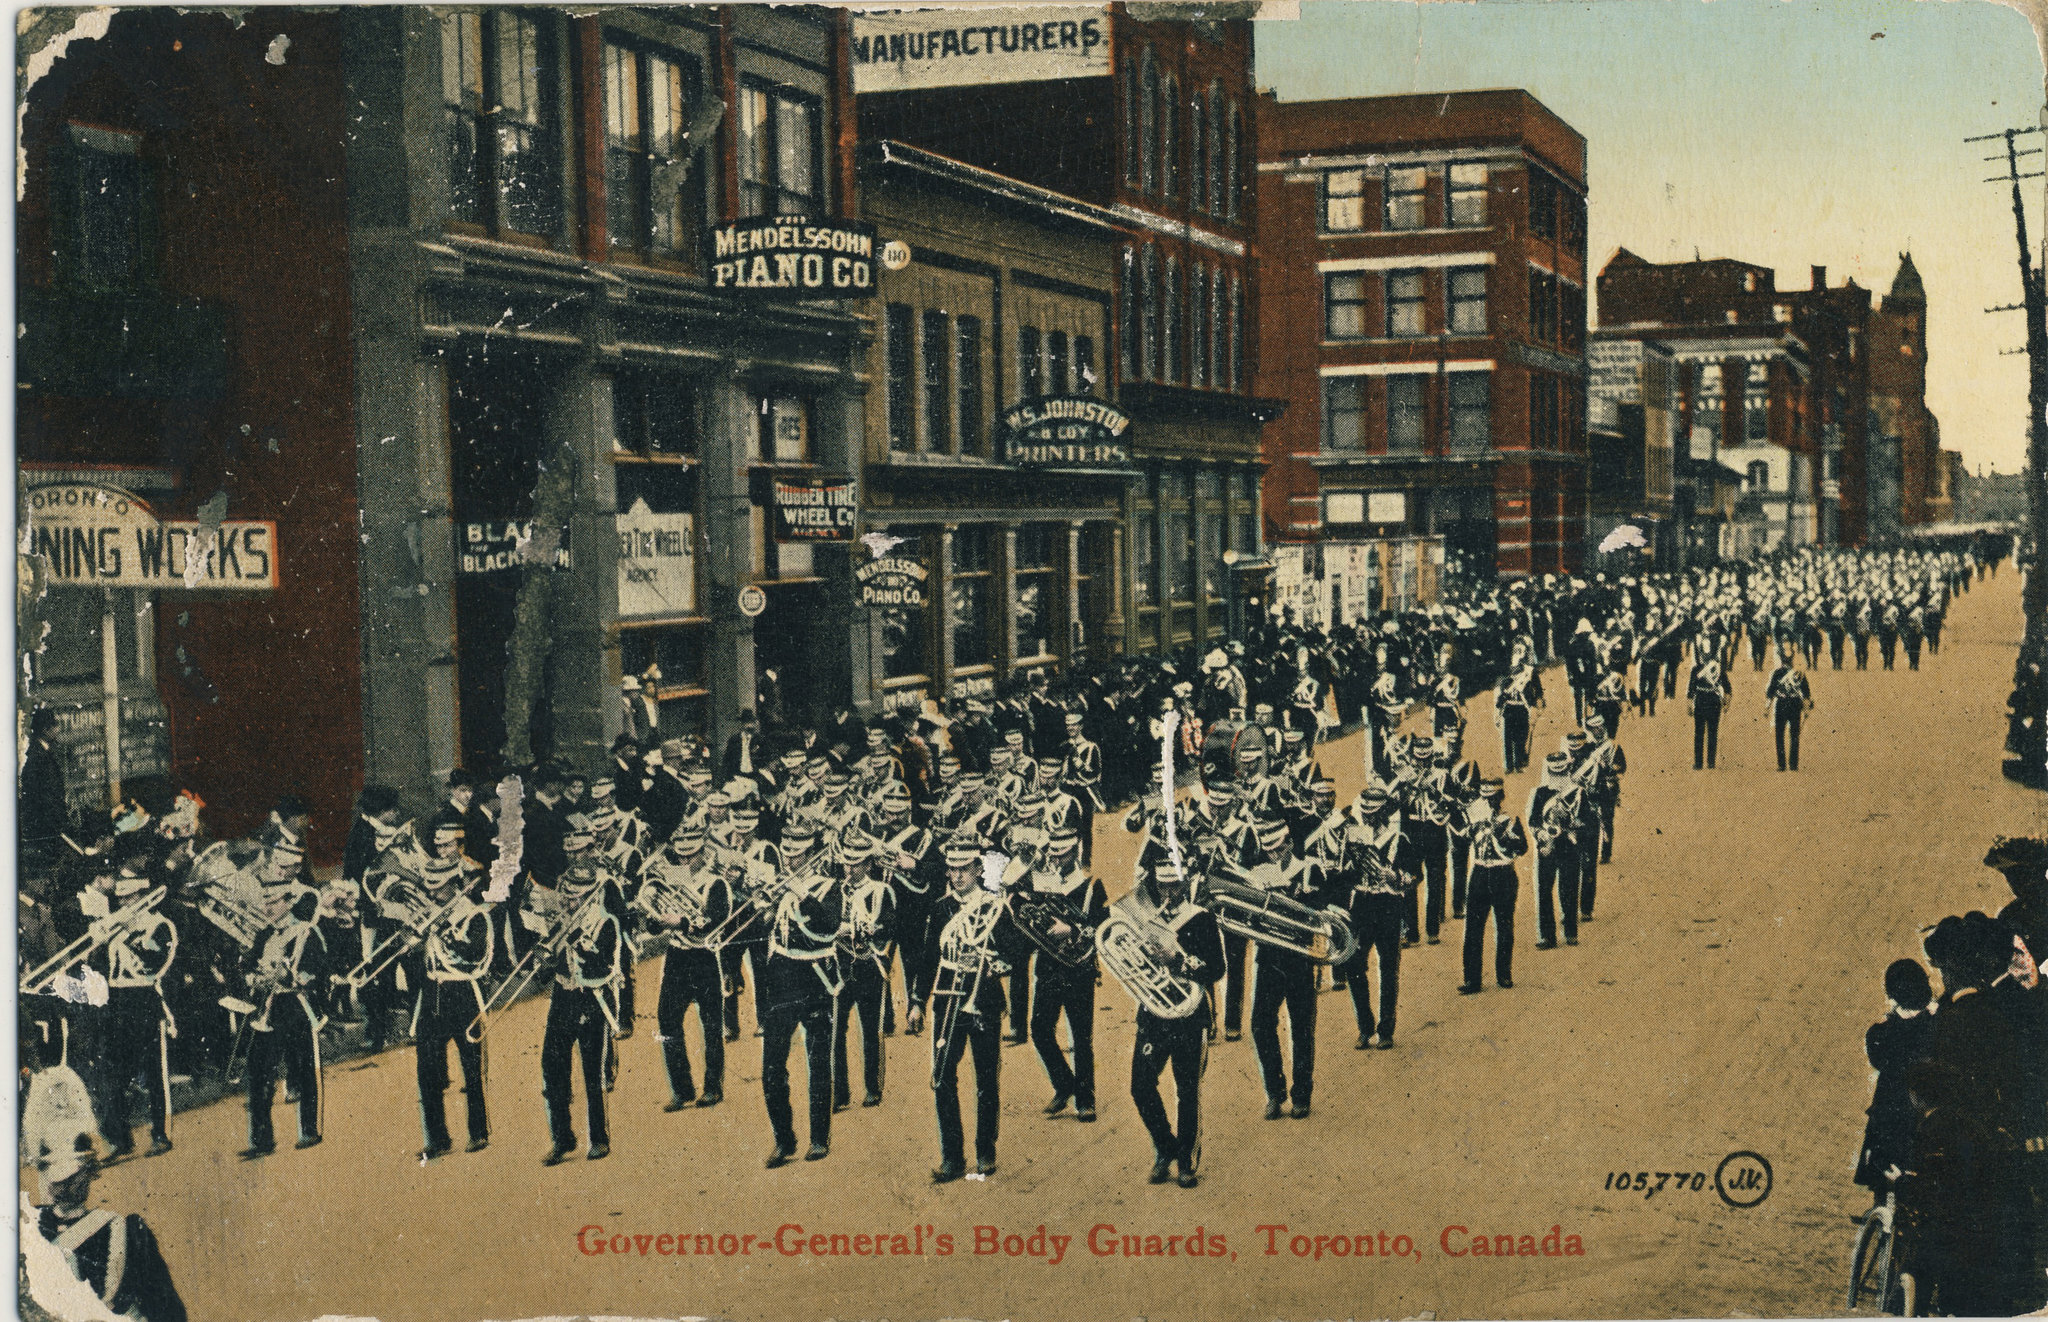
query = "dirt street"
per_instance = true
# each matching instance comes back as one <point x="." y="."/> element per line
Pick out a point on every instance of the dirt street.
<point x="1716" y="1004"/>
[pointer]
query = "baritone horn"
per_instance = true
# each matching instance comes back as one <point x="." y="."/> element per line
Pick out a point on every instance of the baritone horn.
<point x="1271" y="918"/>
<point x="1136" y="953"/>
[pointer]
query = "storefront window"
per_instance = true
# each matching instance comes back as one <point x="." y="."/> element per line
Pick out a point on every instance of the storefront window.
<point x="906" y="630"/>
<point x="1037" y="590"/>
<point x="678" y="652"/>
<point x="653" y="415"/>
<point x="969" y="596"/>
<point x="1180" y="555"/>
<point x="1145" y="558"/>
<point x="1244" y="495"/>
<point x="71" y="652"/>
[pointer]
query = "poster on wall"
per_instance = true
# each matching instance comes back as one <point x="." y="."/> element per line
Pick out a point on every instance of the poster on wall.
<point x="657" y="562"/>
<point x="815" y="509"/>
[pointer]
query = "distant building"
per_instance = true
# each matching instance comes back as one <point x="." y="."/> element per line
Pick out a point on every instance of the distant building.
<point x="1632" y="433"/>
<point x="1903" y="424"/>
<point x="1423" y="302"/>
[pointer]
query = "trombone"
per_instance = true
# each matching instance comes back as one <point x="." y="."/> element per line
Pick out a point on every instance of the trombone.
<point x="392" y="948"/>
<point x="39" y="980"/>
<point x="536" y="959"/>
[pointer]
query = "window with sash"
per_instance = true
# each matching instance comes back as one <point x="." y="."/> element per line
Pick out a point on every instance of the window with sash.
<point x="780" y="141"/>
<point x="967" y="382"/>
<point x="1344" y="413"/>
<point x="901" y="387"/>
<point x="1404" y="413"/>
<point x="498" y="70"/>
<point x="1405" y="190"/>
<point x="1466" y="294"/>
<point x="938" y="388"/>
<point x="1344" y="307"/>
<point x="1465" y="200"/>
<point x="1404" y="303"/>
<point x="654" y="185"/>
<point x="1343" y="200"/>
<point x="1471" y="410"/>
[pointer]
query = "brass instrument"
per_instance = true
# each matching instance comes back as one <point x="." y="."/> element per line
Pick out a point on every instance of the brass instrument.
<point x="543" y="954"/>
<point x="1134" y="947"/>
<point x="414" y="928"/>
<point x="1247" y="906"/>
<point x="1035" y="912"/>
<point x="966" y="949"/>
<point x="893" y="849"/>
<point x="660" y="898"/>
<point x="39" y="980"/>
<point x="1559" y="812"/>
<point x="863" y="919"/>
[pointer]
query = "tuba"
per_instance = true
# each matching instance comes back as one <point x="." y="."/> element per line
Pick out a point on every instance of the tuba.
<point x="1245" y="905"/>
<point x="1134" y="946"/>
<point x="1035" y="912"/>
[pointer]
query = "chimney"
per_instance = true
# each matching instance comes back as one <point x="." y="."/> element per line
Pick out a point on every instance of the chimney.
<point x="1820" y="277"/>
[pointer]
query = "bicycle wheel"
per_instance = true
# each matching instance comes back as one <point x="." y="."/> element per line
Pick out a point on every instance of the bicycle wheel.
<point x="1863" y="1262"/>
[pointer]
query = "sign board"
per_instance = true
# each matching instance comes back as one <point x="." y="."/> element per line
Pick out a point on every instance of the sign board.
<point x="752" y="601"/>
<point x="1386" y="507"/>
<point x="974" y="687"/>
<point x="1616" y="368"/>
<point x="906" y="700"/>
<point x="794" y="257"/>
<point x="892" y="581"/>
<point x="493" y="546"/>
<point x="82" y="749"/>
<point x="913" y="49"/>
<point x="104" y="537"/>
<point x="895" y="255"/>
<point x="657" y="562"/>
<point x="816" y="509"/>
<point x="1066" y="431"/>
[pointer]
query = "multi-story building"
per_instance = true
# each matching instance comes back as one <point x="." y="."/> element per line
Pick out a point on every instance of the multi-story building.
<point x="1631" y="433"/>
<point x="1423" y="297"/>
<point x="460" y="307"/>
<point x="1145" y="116"/>
<point x="1906" y="432"/>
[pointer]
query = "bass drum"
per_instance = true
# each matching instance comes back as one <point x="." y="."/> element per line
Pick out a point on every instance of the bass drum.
<point x="1227" y="741"/>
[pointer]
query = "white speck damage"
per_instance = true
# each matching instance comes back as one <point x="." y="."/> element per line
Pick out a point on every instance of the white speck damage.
<point x="279" y="44"/>
<point x="90" y="25"/>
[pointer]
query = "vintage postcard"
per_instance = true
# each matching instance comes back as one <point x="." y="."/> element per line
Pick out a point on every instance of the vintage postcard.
<point x="1316" y="660"/>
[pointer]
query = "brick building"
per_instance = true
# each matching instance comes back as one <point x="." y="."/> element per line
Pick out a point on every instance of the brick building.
<point x="1909" y="434"/>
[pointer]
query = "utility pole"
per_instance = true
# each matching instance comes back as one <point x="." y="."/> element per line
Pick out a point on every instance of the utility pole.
<point x="2035" y="305"/>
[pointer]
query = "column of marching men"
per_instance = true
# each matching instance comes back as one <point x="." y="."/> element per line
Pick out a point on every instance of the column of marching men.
<point x="823" y="876"/>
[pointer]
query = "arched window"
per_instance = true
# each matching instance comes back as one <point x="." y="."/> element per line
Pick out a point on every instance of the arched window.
<point x="1148" y="123"/>
<point x="1198" y="153"/>
<point x="1233" y="185"/>
<point x="1218" y="345"/>
<point x="1169" y="140"/>
<point x="1130" y="125"/>
<point x="1131" y="315"/>
<point x="1198" y="294"/>
<point x="1174" y="359"/>
<point x="1148" y="366"/>
<point x="1214" y="129"/>
<point x="1236" y="332"/>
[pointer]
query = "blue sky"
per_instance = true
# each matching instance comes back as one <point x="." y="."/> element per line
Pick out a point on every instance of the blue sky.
<point x="1786" y="133"/>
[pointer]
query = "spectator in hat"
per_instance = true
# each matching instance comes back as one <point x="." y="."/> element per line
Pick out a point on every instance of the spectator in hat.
<point x="44" y="815"/>
<point x="627" y="772"/>
<point x="743" y="749"/>
<point x="2023" y="862"/>
<point x="641" y="711"/>
<point x="1894" y="1044"/>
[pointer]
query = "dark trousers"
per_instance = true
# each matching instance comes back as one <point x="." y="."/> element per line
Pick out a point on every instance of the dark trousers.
<point x="134" y="1045"/>
<point x="1589" y="871"/>
<point x="1233" y="982"/>
<point x="1706" y="732"/>
<point x="1608" y="803"/>
<point x="1888" y="645"/>
<point x="1582" y="694"/>
<point x="576" y="1026"/>
<point x="1646" y="686"/>
<point x="1912" y="652"/>
<point x="913" y="920"/>
<point x="1432" y="845"/>
<point x="293" y="1044"/>
<point x="1070" y="992"/>
<point x="444" y="1013"/>
<point x="1376" y="920"/>
<point x="754" y="953"/>
<point x="691" y="977"/>
<point x="975" y="1031"/>
<point x="1835" y="649"/>
<point x="1285" y="979"/>
<point x="1087" y="825"/>
<point x="797" y="996"/>
<point x="1557" y="873"/>
<point x="1184" y="1045"/>
<point x="1461" y="871"/>
<point x="1671" y="680"/>
<point x="865" y="990"/>
<point x="1862" y="651"/>
<point x="1514" y="735"/>
<point x="1611" y="713"/>
<point x="1786" y="716"/>
<point x="1758" y="645"/>
<point x="1020" y="999"/>
<point x="1494" y="891"/>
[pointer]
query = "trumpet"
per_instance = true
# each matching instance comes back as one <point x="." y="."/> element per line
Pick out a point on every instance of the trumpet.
<point x="1134" y="947"/>
<point x="544" y="953"/>
<point x="40" y="979"/>
<point x="1246" y="907"/>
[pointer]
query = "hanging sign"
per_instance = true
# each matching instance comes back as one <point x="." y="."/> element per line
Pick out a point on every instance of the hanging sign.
<point x="892" y="581"/>
<point x="1066" y="431"/>
<point x="815" y="509"/>
<point x="977" y="44"/>
<point x="495" y="545"/>
<point x="657" y="562"/>
<point x="794" y="257"/>
<point x="103" y="537"/>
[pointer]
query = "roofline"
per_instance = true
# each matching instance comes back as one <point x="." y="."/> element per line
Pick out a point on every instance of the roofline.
<point x="1439" y="95"/>
<point x="918" y="160"/>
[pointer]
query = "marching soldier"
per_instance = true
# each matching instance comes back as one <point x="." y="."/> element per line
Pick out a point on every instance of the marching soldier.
<point x="1555" y="809"/>
<point x="1447" y="707"/>
<point x="1067" y="989"/>
<point x="905" y="859"/>
<point x="741" y="855"/>
<point x="1183" y="1044"/>
<point x="970" y="940"/>
<point x="684" y="900"/>
<point x="1706" y="692"/>
<point x="1863" y="626"/>
<point x="1383" y="717"/>
<point x="1588" y="828"/>
<point x="867" y="939"/>
<point x="1461" y="790"/>
<point x="1381" y="872"/>
<point x="583" y="1004"/>
<point x="1609" y="696"/>
<point x="1082" y="778"/>
<point x="1609" y="765"/>
<point x="1425" y="823"/>
<point x="802" y="981"/>
<point x="1498" y="839"/>
<point x="138" y="955"/>
<point x="1517" y="692"/>
<point x="455" y="954"/>
<point x="283" y="1029"/>
<point x="1285" y="977"/>
<point x="1787" y="699"/>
